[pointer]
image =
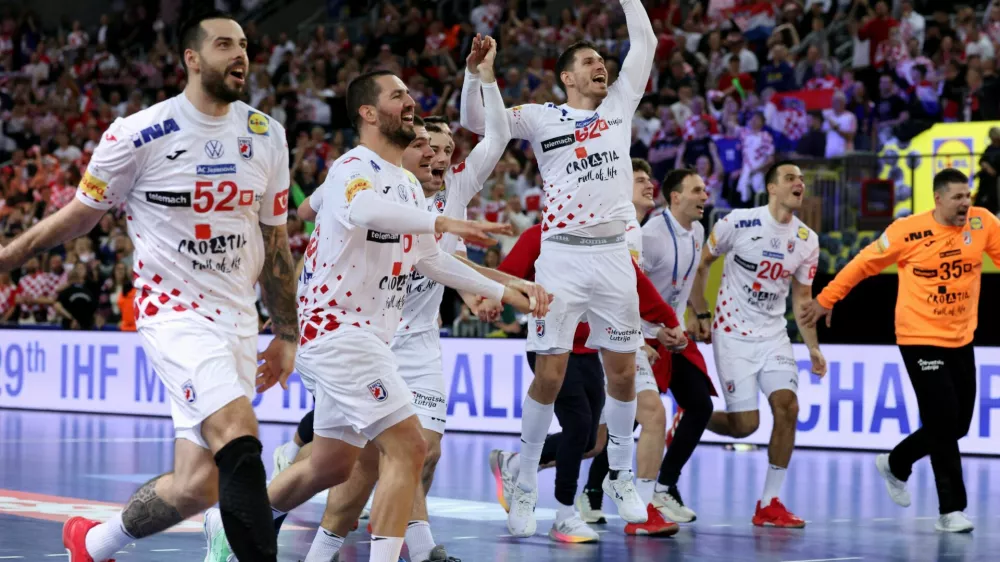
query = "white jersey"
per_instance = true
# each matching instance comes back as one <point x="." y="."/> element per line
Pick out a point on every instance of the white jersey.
<point x="196" y="189"/>
<point x="761" y="256"/>
<point x="461" y="184"/>
<point x="670" y="260"/>
<point x="353" y="275"/>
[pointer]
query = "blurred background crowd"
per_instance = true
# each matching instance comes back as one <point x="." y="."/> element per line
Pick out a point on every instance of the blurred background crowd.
<point x="735" y="86"/>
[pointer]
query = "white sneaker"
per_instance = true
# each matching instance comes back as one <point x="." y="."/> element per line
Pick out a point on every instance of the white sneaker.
<point x="215" y="535"/>
<point x="630" y="507"/>
<point x="954" y="522"/>
<point x="587" y="512"/>
<point x="505" y="478"/>
<point x="281" y="461"/>
<point x="521" y="518"/>
<point x="896" y="487"/>
<point x="573" y="530"/>
<point x="672" y="507"/>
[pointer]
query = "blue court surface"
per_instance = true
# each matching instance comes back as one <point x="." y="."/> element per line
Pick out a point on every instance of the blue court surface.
<point x="55" y="465"/>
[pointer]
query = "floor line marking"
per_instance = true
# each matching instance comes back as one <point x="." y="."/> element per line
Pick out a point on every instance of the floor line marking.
<point x="884" y="519"/>
<point x="165" y="550"/>
<point x="840" y="521"/>
<point x="722" y="525"/>
<point x="11" y="557"/>
<point x="827" y="559"/>
<point x="462" y="538"/>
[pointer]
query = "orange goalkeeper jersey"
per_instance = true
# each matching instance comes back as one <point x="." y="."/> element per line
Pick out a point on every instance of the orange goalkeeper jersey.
<point x="940" y="270"/>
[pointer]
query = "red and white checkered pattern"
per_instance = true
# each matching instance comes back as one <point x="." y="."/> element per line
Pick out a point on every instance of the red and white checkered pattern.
<point x="8" y="297"/>
<point x="828" y="82"/>
<point x="37" y="286"/>
<point x="60" y="194"/>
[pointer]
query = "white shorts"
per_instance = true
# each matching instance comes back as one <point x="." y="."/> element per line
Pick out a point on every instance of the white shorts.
<point x="644" y="379"/>
<point x="202" y="367"/>
<point x="418" y="358"/>
<point x="592" y="284"/>
<point x="359" y="394"/>
<point x="748" y="367"/>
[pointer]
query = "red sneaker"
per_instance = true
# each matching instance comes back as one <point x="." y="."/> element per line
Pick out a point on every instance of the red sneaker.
<point x="673" y="426"/>
<point x="75" y="539"/>
<point x="776" y="515"/>
<point x="655" y="525"/>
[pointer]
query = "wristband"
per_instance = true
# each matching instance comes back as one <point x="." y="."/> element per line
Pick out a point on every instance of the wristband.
<point x="704" y="316"/>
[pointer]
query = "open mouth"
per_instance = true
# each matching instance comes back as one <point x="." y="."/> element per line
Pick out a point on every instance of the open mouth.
<point x="407" y="117"/>
<point x="700" y="208"/>
<point x="238" y="73"/>
<point x="438" y="173"/>
<point x="797" y="192"/>
<point x="601" y="79"/>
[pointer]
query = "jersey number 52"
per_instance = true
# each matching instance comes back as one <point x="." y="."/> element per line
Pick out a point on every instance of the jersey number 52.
<point x="205" y="193"/>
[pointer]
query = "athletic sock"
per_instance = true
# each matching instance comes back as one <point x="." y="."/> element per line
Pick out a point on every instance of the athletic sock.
<point x="772" y="484"/>
<point x="324" y="546"/>
<point x="104" y="540"/>
<point x="661" y="488"/>
<point x="565" y="512"/>
<point x="419" y="540"/>
<point x="645" y="488"/>
<point x="535" y="421"/>
<point x="621" y="422"/>
<point x="385" y="549"/>
<point x="514" y="465"/>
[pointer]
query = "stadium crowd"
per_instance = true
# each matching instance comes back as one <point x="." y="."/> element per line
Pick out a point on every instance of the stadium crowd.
<point x="735" y="86"/>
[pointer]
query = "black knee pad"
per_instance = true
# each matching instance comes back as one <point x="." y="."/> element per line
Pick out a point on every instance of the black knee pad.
<point x="246" y="511"/>
<point x="305" y="430"/>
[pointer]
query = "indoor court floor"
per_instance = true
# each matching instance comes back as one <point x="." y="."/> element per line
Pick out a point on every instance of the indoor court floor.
<point x="55" y="465"/>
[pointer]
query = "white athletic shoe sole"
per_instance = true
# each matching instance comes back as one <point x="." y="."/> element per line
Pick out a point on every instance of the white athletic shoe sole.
<point x="896" y="487"/>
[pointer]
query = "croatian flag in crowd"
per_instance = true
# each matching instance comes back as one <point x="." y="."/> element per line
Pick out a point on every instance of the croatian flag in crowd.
<point x="790" y="122"/>
<point x="755" y="20"/>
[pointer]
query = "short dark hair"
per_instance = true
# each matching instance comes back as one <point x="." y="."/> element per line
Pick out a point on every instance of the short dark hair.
<point x="418" y="121"/>
<point x="363" y="90"/>
<point x="948" y="176"/>
<point x="565" y="60"/>
<point x="192" y="34"/>
<point x="674" y="182"/>
<point x="437" y="124"/>
<point x="772" y="173"/>
<point x="640" y="165"/>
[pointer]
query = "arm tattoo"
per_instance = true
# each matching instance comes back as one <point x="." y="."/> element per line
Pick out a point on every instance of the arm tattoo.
<point x="147" y="513"/>
<point x="277" y="283"/>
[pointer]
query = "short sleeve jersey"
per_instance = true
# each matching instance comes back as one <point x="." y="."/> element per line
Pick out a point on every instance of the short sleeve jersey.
<point x="583" y="157"/>
<point x="761" y="257"/>
<point x="353" y="275"/>
<point x="670" y="260"/>
<point x="424" y="295"/>
<point x="196" y="189"/>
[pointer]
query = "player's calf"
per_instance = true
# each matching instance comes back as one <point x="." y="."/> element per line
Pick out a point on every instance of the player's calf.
<point x="403" y="451"/>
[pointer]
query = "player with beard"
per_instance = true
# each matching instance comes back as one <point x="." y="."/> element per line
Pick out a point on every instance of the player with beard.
<point x="204" y="179"/>
<point x="582" y="149"/>
<point x="580" y="402"/>
<point x="768" y="250"/>
<point x="372" y="231"/>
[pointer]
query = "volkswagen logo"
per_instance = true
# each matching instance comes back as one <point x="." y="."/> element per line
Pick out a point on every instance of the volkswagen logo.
<point x="213" y="149"/>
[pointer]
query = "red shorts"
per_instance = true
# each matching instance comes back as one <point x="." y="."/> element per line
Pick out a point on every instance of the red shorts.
<point x="663" y="367"/>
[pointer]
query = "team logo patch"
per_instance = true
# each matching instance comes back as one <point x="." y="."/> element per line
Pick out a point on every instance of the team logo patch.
<point x="439" y="200"/>
<point x="775" y="243"/>
<point x="967" y="236"/>
<point x="976" y="223"/>
<point x="540" y="328"/>
<point x="189" y="394"/>
<point x="258" y="124"/>
<point x="93" y="187"/>
<point x="730" y="387"/>
<point x="355" y="187"/>
<point x="246" y="147"/>
<point x="214" y="149"/>
<point x="803" y="233"/>
<point x="403" y="194"/>
<point x="791" y="246"/>
<point x="379" y="393"/>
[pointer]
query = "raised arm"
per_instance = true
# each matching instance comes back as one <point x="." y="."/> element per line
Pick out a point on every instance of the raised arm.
<point x="642" y="46"/>
<point x="473" y="112"/>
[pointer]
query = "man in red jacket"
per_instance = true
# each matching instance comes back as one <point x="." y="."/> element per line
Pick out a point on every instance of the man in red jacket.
<point x="580" y="401"/>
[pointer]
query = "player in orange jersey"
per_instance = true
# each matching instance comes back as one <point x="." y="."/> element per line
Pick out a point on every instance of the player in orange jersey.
<point x="940" y="257"/>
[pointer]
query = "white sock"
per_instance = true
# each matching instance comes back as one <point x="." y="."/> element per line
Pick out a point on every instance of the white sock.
<point x="385" y="549"/>
<point x="645" y="488"/>
<point x="104" y="540"/>
<point x="660" y="488"/>
<point x="291" y="449"/>
<point x="565" y="512"/>
<point x="324" y="546"/>
<point x="514" y="464"/>
<point x="772" y="484"/>
<point x="621" y="422"/>
<point x="535" y="421"/>
<point x="419" y="540"/>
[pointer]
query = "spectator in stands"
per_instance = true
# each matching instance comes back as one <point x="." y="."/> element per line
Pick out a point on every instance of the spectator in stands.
<point x="737" y="48"/>
<point x="864" y="115"/>
<point x="890" y="110"/>
<point x="8" y="299"/>
<point x="778" y="74"/>
<point x="813" y="143"/>
<point x="758" y="156"/>
<point x="840" y="126"/>
<point x="735" y="83"/>
<point x="701" y="144"/>
<point x="76" y="304"/>
<point x="911" y="23"/>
